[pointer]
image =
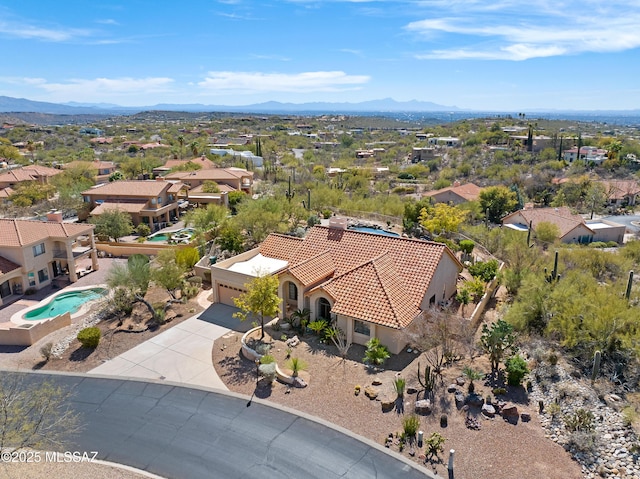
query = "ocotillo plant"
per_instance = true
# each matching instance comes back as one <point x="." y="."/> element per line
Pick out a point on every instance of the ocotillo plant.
<point x="627" y="294"/>
<point x="596" y="365"/>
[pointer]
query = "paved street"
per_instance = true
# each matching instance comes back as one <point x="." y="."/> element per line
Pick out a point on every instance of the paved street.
<point x="184" y="433"/>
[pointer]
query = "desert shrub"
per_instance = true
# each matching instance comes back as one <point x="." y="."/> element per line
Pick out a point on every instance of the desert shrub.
<point x="89" y="337"/>
<point x="327" y="214"/>
<point x="410" y="425"/>
<point x="403" y="190"/>
<point x="485" y="271"/>
<point x="629" y="415"/>
<point x="262" y="348"/>
<point x="552" y="358"/>
<point x="46" y="351"/>
<point x="598" y="244"/>
<point x="195" y="280"/>
<point x="376" y="353"/>
<point x="434" y="444"/>
<point x="466" y="246"/>
<point x="143" y="230"/>
<point x="582" y="441"/>
<point x="517" y="369"/>
<point x="296" y="365"/>
<point x="267" y="359"/>
<point x="580" y="420"/>
<point x="553" y="409"/>
<point x="187" y="257"/>
<point x="612" y="244"/>
<point x="268" y="371"/>
<point x="160" y="315"/>
<point x="399" y="385"/>
<point x="189" y="290"/>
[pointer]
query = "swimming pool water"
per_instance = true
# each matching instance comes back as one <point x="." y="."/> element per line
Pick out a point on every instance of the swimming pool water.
<point x="65" y="302"/>
<point x="366" y="229"/>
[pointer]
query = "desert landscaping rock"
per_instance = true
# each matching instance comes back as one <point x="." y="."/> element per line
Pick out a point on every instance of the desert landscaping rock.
<point x="459" y="398"/>
<point x="376" y="382"/>
<point x="387" y="403"/>
<point x="371" y="392"/>
<point x="488" y="410"/>
<point x="423" y="407"/>
<point x="452" y="388"/>
<point x="460" y="381"/>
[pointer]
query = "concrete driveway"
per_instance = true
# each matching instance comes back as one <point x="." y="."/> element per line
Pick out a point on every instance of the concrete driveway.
<point x="181" y="354"/>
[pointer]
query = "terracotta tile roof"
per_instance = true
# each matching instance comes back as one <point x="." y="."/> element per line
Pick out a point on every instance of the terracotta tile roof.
<point x="6" y="192"/>
<point x="212" y="174"/>
<point x="373" y="292"/>
<point x="131" y="207"/>
<point x="27" y="173"/>
<point x="221" y="186"/>
<point x="279" y="246"/>
<point x="562" y="217"/>
<point x="25" y="232"/>
<point x="6" y="266"/>
<point x="132" y="188"/>
<point x="469" y="191"/>
<point x="314" y="269"/>
<point x="176" y="187"/>
<point x="620" y="189"/>
<point x="395" y="271"/>
<point x="204" y="163"/>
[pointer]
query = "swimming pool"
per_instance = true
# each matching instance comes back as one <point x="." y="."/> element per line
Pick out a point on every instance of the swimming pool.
<point x="183" y="234"/>
<point x="70" y="302"/>
<point x="367" y="229"/>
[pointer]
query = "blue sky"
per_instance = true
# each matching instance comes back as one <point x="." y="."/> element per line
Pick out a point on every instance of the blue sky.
<point x="500" y="55"/>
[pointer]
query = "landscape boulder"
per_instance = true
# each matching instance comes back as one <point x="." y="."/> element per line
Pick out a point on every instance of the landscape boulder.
<point x="387" y="402"/>
<point x="423" y="406"/>
<point x="452" y="388"/>
<point x="371" y="392"/>
<point x="460" y="381"/>
<point x="474" y="400"/>
<point x="488" y="410"/>
<point x="376" y="382"/>
<point x="459" y="397"/>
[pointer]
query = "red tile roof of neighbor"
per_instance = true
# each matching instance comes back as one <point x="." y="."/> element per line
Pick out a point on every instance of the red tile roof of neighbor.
<point x="204" y="163"/>
<point x="211" y="174"/>
<point x="6" y="192"/>
<point x="620" y="189"/>
<point x="468" y="191"/>
<point x="132" y="188"/>
<point x="25" y="232"/>
<point x="562" y="217"/>
<point x="6" y="266"/>
<point x="28" y="173"/>
<point x="376" y="278"/>
<point x="133" y="207"/>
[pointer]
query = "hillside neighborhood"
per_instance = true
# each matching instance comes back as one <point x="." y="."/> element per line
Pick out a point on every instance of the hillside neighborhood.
<point x="431" y="287"/>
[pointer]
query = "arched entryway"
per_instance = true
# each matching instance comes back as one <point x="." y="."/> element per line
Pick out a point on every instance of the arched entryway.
<point x="324" y="309"/>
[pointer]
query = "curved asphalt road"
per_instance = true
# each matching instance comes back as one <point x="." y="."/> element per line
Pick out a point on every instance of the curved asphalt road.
<point x="184" y="433"/>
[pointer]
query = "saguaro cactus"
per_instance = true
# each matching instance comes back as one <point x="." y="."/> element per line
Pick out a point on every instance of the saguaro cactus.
<point x="428" y="379"/>
<point x="595" y="370"/>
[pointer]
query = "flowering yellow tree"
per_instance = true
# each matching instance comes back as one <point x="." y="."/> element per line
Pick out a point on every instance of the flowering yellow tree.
<point x="442" y="218"/>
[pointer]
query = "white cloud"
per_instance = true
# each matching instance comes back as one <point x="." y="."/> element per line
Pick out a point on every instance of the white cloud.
<point x="106" y="89"/>
<point x="518" y="30"/>
<point x="255" y="82"/>
<point x="21" y="30"/>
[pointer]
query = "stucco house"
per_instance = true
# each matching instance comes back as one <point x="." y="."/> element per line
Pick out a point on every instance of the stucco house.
<point x="152" y="202"/>
<point x="370" y="285"/>
<point x="573" y="228"/>
<point x="455" y="194"/>
<point x="33" y="253"/>
<point x="37" y="173"/>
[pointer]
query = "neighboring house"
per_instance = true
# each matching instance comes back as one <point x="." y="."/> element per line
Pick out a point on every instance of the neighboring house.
<point x="91" y="131"/>
<point x="38" y="173"/>
<point x="621" y="192"/>
<point x="152" y="202"/>
<point x="5" y="193"/>
<point x="539" y="142"/>
<point x="236" y="178"/>
<point x="590" y="154"/>
<point x="422" y="153"/>
<point x="455" y="194"/>
<point x="371" y="285"/>
<point x="447" y="141"/>
<point x="573" y="228"/>
<point x="32" y="253"/>
<point x="202" y="161"/>
<point x="104" y="169"/>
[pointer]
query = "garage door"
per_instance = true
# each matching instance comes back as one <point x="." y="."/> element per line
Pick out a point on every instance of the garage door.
<point x="227" y="293"/>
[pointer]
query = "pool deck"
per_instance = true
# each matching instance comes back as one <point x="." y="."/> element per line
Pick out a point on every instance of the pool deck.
<point x="90" y="279"/>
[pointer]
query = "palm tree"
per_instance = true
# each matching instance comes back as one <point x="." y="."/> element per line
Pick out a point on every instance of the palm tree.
<point x="194" y="148"/>
<point x="181" y="142"/>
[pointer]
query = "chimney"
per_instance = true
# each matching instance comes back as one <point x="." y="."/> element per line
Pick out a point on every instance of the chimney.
<point x="456" y="183"/>
<point x="55" y="216"/>
<point x="338" y="223"/>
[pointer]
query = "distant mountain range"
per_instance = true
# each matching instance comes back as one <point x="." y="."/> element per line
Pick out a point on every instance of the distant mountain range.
<point x="22" y="105"/>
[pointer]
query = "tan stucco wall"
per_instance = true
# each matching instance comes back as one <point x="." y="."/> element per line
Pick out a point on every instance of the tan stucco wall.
<point x="574" y="235"/>
<point x="443" y="283"/>
<point x="21" y="336"/>
<point x="615" y="233"/>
